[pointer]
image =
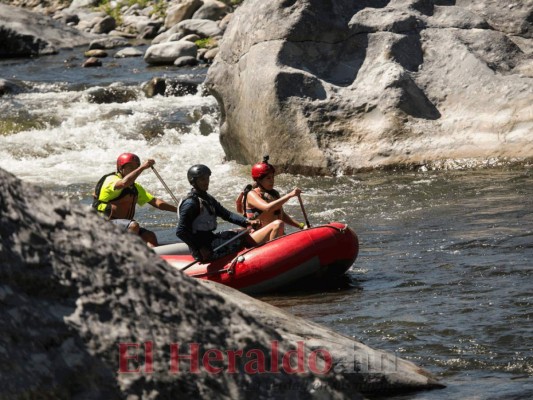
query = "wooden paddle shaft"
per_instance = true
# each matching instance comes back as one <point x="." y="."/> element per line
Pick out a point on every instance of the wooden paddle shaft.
<point x="165" y="185"/>
<point x="303" y="211"/>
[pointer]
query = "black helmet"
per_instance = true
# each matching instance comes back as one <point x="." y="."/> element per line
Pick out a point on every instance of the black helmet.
<point x="197" y="171"/>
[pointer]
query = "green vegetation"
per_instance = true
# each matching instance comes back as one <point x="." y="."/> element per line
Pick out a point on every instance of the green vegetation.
<point x="160" y="8"/>
<point x="114" y="8"/>
<point x="114" y="12"/>
<point x="206" y="43"/>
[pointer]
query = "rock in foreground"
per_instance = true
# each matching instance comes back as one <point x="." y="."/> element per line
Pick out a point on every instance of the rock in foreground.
<point x="81" y="301"/>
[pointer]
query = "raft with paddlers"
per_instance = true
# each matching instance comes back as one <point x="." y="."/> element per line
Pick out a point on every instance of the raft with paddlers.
<point x="315" y="254"/>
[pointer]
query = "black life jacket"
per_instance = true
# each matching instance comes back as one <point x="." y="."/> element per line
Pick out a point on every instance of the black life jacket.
<point x="132" y="190"/>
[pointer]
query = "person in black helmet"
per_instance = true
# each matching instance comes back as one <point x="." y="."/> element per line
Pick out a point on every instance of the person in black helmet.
<point x="198" y="213"/>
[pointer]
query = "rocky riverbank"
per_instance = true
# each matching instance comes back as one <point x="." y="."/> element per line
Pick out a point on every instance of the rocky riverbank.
<point x="180" y="32"/>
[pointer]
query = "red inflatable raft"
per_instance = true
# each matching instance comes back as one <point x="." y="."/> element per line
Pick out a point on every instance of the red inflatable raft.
<point x="317" y="253"/>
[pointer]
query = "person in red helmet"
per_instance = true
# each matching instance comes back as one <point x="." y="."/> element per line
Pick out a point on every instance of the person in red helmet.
<point x="263" y="202"/>
<point x="116" y="195"/>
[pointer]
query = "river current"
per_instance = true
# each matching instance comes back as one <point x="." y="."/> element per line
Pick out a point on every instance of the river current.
<point x="443" y="276"/>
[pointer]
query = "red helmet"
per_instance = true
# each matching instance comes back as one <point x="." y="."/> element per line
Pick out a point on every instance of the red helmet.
<point x="262" y="169"/>
<point x="126" y="158"/>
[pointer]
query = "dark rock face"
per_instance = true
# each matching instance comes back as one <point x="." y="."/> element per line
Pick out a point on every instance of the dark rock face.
<point x="73" y="289"/>
<point x="329" y="87"/>
<point x="24" y="33"/>
<point x="170" y="87"/>
<point x="111" y="94"/>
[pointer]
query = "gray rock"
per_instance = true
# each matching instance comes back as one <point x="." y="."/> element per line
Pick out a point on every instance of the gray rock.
<point x="128" y="52"/>
<point x="68" y="18"/>
<point x="170" y="87"/>
<point x="179" y="36"/>
<point x="508" y="16"/>
<point x="201" y="27"/>
<point x="77" y="4"/>
<point x="168" y="52"/>
<point x="149" y="32"/>
<point x="181" y="11"/>
<point x="122" y="34"/>
<point x="104" y="25"/>
<point x="356" y="85"/>
<point x="89" y="19"/>
<point x="224" y="22"/>
<point x="456" y="17"/>
<point x="74" y="288"/>
<point x="9" y="87"/>
<point x="395" y="20"/>
<point x="96" y="53"/>
<point x="108" y="43"/>
<point x="91" y="62"/>
<point x="189" y="38"/>
<point x="211" y="9"/>
<point x="211" y="54"/>
<point x="26" y="34"/>
<point x="139" y="23"/>
<point x="175" y="33"/>
<point x="185" y="61"/>
<point x="110" y="94"/>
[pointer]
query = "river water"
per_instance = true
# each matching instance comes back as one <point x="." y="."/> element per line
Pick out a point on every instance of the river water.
<point x="444" y="273"/>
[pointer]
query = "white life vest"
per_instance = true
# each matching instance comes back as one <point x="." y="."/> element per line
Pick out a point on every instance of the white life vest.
<point x="206" y="221"/>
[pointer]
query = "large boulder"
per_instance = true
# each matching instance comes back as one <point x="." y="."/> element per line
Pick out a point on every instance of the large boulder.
<point x="27" y="34"/>
<point x="335" y="87"/>
<point x="90" y="312"/>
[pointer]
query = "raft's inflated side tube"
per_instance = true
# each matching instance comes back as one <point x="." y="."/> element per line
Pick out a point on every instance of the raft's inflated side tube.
<point x="318" y="253"/>
<point x="173" y="248"/>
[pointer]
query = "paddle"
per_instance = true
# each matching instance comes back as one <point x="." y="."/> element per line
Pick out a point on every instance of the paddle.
<point x="165" y="185"/>
<point x="222" y="245"/>
<point x="303" y="211"/>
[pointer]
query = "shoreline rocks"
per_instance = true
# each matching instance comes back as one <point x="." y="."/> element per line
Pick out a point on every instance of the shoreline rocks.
<point x="29" y="34"/>
<point x="83" y="22"/>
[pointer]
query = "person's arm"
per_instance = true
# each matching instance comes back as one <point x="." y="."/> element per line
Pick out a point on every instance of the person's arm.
<point x="236" y="219"/>
<point x="162" y="205"/>
<point x="255" y="200"/>
<point x="289" y="220"/>
<point x="129" y="179"/>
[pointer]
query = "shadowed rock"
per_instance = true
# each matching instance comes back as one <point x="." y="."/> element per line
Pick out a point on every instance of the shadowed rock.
<point x="110" y="94"/>
<point x="170" y="87"/>
<point x="335" y="87"/>
<point x="24" y="33"/>
<point x="73" y="288"/>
